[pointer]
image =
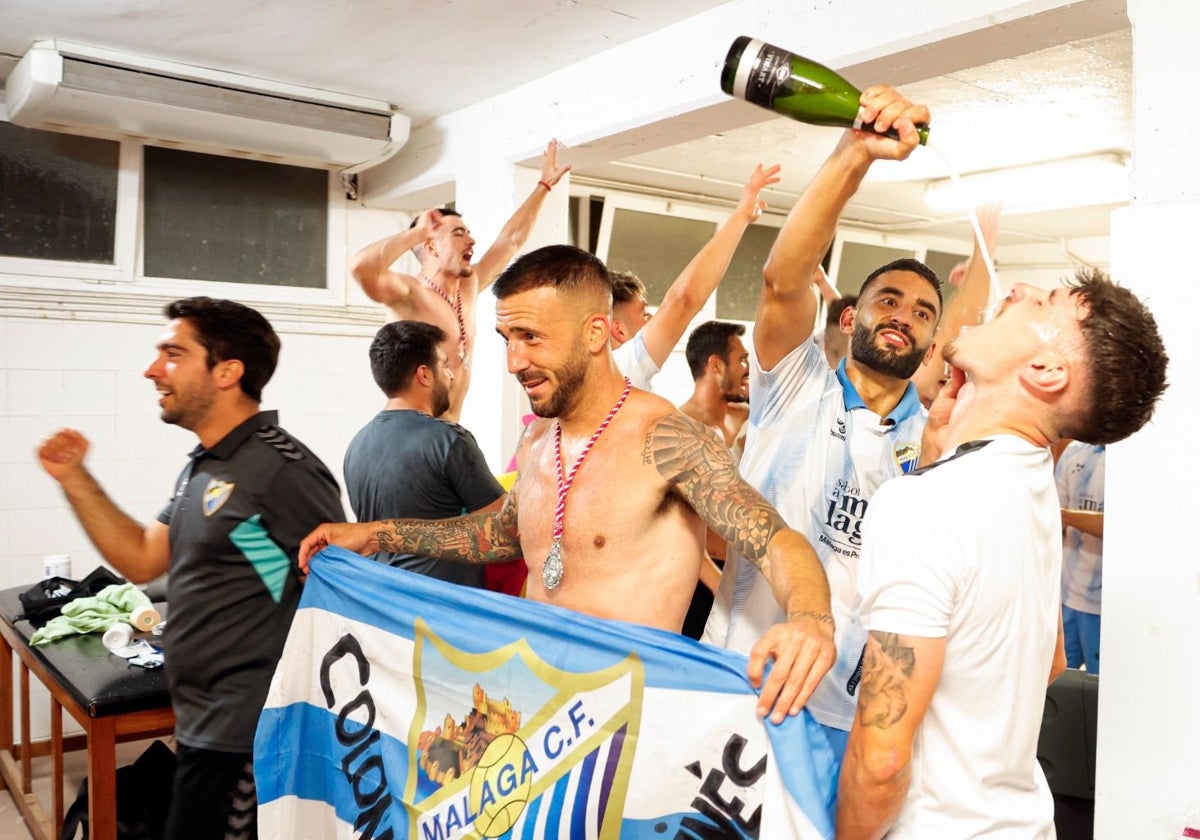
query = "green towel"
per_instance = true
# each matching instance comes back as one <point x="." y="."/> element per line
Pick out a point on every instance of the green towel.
<point x="93" y="615"/>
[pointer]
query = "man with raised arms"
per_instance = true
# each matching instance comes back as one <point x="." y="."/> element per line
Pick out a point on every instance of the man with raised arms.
<point x="643" y="341"/>
<point x="615" y="488"/>
<point x="448" y="284"/>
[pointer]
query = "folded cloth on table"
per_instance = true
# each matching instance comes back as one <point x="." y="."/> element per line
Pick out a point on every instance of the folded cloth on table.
<point x="93" y="615"/>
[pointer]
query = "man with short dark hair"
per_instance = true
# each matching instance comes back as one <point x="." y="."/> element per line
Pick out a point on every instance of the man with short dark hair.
<point x="822" y="441"/>
<point x="960" y="568"/>
<point x="615" y="487"/>
<point x="407" y="463"/>
<point x="228" y="537"/>
<point x="446" y="287"/>
<point x="720" y="366"/>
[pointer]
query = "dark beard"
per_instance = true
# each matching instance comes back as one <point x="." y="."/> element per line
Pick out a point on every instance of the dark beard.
<point x="570" y="379"/>
<point x="885" y="360"/>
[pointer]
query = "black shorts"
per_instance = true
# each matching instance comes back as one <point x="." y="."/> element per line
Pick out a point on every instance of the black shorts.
<point x="213" y="797"/>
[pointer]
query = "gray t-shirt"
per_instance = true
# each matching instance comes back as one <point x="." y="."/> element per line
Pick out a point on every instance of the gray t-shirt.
<point x="408" y="465"/>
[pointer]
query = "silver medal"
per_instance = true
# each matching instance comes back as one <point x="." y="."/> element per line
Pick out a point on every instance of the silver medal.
<point x="552" y="569"/>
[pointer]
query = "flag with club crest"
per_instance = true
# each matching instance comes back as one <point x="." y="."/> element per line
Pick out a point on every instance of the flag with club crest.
<point x="406" y="707"/>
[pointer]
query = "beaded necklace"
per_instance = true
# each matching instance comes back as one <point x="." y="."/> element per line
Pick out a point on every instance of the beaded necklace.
<point x="455" y="307"/>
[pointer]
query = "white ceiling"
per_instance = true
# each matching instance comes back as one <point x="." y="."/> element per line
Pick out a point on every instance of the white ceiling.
<point x="437" y="56"/>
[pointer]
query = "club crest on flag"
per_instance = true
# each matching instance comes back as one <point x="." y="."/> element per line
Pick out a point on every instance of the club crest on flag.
<point x="407" y="708"/>
<point x="524" y="731"/>
<point x="216" y="494"/>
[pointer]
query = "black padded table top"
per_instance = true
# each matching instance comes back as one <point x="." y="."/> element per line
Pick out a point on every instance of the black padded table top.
<point x="101" y="683"/>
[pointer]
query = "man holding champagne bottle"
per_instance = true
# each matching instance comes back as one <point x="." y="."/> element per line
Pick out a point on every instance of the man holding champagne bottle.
<point x="822" y="440"/>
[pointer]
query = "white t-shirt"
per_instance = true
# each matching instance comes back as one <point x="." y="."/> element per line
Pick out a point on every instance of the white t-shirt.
<point x="969" y="550"/>
<point x="817" y="453"/>
<point x="1080" y="476"/>
<point x="633" y="360"/>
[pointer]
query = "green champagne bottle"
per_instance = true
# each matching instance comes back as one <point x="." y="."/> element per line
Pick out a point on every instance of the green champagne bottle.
<point x="793" y="86"/>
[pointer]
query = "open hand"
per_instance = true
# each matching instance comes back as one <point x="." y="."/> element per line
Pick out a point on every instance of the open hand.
<point x="803" y="651"/>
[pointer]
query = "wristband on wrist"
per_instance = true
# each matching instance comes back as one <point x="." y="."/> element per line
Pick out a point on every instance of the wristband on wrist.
<point x="546" y="185"/>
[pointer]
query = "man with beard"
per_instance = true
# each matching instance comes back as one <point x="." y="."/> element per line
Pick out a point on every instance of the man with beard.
<point x="447" y="284"/>
<point x="720" y="366"/>
<point x="642" y="342"/>
<point x="821" y="441"/>
<point x="228" y="537"/>
<point x="614" y="489"/>
<point x="408" y="463"/>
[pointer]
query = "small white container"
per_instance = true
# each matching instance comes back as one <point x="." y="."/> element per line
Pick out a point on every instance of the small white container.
<point x="58" y="565"/>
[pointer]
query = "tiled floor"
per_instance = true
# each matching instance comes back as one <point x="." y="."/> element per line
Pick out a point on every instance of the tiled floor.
<point x="12" y="825"/>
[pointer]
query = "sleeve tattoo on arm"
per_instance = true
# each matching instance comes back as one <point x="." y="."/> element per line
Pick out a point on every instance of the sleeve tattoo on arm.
<point x="702" y="470"/>
<point x="887" y="668"/>
<point x="474" y="538"/>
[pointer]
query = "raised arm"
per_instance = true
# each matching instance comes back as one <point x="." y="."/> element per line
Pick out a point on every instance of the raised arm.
<point x="487" y="537"/>
<point x="372" y="266"/>
<point x="821" y="280"/>
<point x="703" y="274"/>
<point x="787" y="307"/>
<point x="966" y="307"/>
<point x="516" y="230"/>
<point x="138" y="552"/>
<point x="701" y="469"/>
<point x="899" y="676"/>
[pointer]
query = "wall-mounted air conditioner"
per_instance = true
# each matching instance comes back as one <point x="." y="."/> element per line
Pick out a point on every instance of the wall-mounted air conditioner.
<point x="103" y="93"/>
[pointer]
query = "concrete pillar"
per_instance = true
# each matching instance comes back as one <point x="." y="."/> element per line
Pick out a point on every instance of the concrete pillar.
<point x="1148" y="770"/>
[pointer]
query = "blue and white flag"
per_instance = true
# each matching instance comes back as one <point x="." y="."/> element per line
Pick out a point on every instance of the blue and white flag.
<point x="405" y="707"/>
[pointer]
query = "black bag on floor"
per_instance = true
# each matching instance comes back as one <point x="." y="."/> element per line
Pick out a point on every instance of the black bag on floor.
<point x="143" y="797"/>
<point x="45" y="600"/>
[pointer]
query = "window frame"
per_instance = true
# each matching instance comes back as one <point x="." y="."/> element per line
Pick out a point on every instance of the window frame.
<point x="615" y="199"/>
<point x="127" y="268"/>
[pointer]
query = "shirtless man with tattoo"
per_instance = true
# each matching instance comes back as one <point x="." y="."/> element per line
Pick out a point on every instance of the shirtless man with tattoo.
<point x="959" y="577"/>
<point x="447" y="285"/>
<point x="615" y="489"/>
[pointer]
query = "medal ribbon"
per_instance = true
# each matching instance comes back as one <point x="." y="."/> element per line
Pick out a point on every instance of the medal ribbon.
<point x="564" y="485"/>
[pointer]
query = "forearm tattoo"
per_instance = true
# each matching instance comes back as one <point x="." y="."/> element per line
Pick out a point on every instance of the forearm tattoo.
<point x="824" y="618"/>
<point x="887" y="669"/>
<point x="690" y="457"/>
<point x="474" y="538"/>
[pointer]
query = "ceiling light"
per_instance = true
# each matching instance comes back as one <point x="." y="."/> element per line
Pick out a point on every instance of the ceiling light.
<point x="1052" y="185"/>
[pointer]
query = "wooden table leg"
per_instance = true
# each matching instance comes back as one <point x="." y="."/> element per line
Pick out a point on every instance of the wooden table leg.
<point x="26" y="752"/>
<point x="102" y="778"/>
<point x="56" y="763"/>
<point x="6" y="697"/>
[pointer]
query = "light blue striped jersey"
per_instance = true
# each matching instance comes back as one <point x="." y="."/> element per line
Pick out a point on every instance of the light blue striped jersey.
<point x="818" y="454"/>
<point x="1080" y="478"/>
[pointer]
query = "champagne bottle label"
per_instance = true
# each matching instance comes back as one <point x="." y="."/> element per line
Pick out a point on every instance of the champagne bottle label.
<point x="760" y="72"/>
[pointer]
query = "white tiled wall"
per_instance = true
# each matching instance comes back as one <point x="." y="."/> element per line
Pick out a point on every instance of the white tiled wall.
<point x="56" y="373"/>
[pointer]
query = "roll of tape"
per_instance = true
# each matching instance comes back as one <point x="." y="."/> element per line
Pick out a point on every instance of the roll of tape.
<point x="144" y="618"/>
<point x="119" y="635"/>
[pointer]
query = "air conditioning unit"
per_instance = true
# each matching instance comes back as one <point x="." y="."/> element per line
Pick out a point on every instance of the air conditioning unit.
<point x="103" y="93"/>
